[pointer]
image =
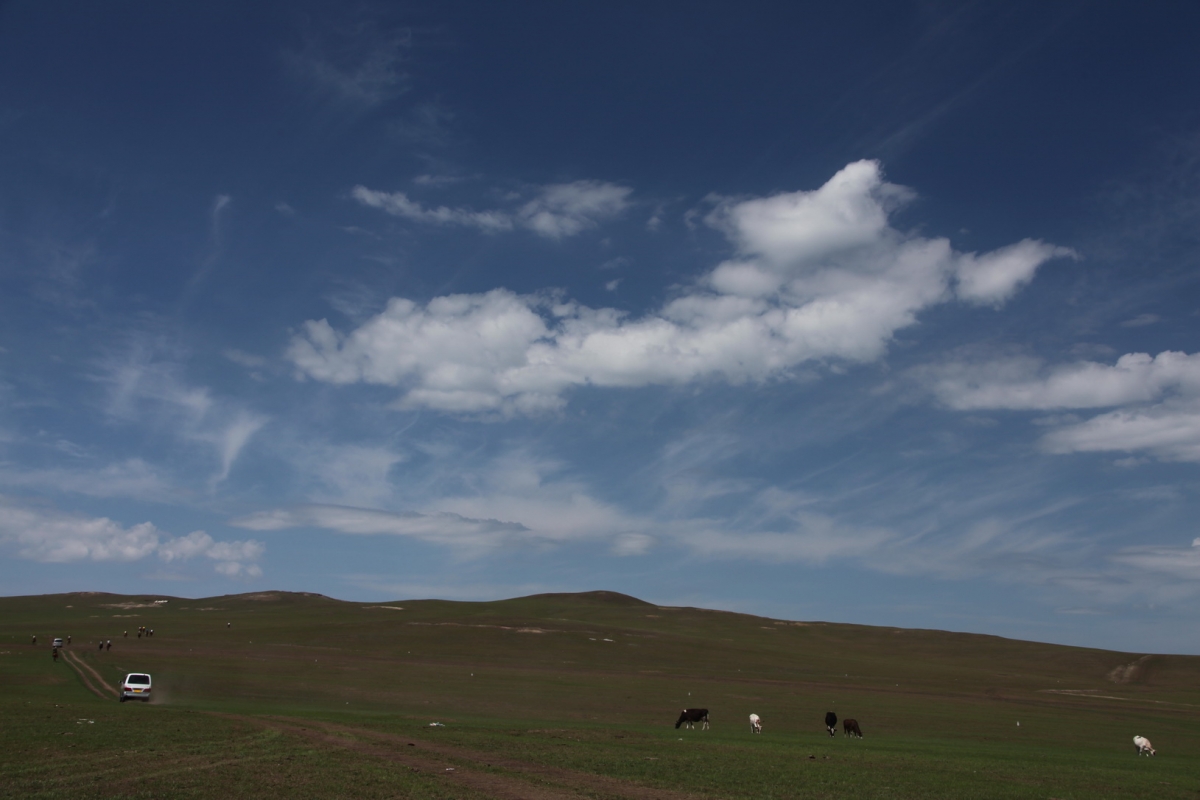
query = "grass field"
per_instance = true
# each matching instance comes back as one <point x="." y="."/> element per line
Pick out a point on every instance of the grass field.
<point x="567" y="696"/>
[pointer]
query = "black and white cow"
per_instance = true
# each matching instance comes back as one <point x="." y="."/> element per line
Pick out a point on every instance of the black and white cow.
<point x="850" y="728"/>
<point x="691" y="716"/>
<point x="831" y="723"/>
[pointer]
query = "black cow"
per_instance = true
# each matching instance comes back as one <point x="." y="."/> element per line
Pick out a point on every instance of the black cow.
<point x="691" y="716"/>
<point x="850" y="728"/>
<point x="831" y="723"/>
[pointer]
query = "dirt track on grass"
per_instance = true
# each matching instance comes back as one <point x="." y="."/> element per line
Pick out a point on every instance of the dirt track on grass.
<point x="91" y="679"/>
<point x="495" y="776"/>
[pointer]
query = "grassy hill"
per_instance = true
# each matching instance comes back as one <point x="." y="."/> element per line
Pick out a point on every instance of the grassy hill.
<point x="588" y="684"/>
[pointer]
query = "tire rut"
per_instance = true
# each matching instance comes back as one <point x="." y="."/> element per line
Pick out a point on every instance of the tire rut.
<point x="493" y="785"/>
<point x="83" y="669"/>
<point x="518" y="781"/>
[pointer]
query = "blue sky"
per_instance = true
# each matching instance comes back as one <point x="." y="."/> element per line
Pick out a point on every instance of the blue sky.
<point x="884" y="313"/>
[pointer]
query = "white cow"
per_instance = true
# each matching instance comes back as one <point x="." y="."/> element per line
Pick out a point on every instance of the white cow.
<point x="1143" y="746"/>
<point x="755" y="723"/>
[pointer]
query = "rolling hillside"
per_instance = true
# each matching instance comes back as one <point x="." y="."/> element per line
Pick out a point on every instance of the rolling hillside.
<point x="601" y="661"/>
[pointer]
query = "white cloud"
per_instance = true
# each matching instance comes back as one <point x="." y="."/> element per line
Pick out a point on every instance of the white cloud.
<point x="356" y="475"/>
<point x="566" y="209"/>
<point x="130" y="478"/>
<point x="244" y="359"/>
<point x="397" y="204"/>
<point x="1025" y="384"/>
<point x="441" y="528"/>
<point x="358" y="66"/>
<point x="1170" y="431"/>
<point x="512" y="500"/>
<point x="819" y="275"/>
<point x="147" y="389"/>
<point x="1157" y="400"/>
<point x="183" y="548"/>
<point x="233" y="438"/>
<point x="816" y="539"/>
<point x="1174" y="561"/>
<point x="632" y="544"/>
<point x="46" y="535"/>
<point x="42" y="535"/>
<point x="992" y="278"/>
<point x="1141" y="320"/>
<point x="558" y="211"/>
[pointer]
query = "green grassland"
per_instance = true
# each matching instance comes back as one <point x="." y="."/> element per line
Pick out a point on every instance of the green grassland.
<point x="566" y="696"/>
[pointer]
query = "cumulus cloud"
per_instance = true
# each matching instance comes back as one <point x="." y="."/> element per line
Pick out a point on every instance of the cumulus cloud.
<point x="1156" y="400"/>
<point x="1170" y="431"/>
<point x="46" y="535"/>
<point x="992" y="278"/>
<point x="818" y="275"/>
<point x="558" y="211"/>
<point x="1024" y="383"/>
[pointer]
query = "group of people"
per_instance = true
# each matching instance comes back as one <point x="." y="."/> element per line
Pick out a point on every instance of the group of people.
<point x="105" y="644"/>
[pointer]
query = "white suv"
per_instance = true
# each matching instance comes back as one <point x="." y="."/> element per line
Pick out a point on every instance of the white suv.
<point x="136" y="686"/>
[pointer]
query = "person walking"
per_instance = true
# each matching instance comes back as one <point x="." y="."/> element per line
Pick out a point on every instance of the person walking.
<point x="54" y="652"/>
<point x="109" y="647"/>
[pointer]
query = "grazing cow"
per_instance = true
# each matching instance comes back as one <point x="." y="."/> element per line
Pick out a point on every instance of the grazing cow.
<point x="755" y="724"/>
<point x="850" y="728"/>
<point x="1143" y="746"/>
<point x="831" y="723"/>
<point x="691" y="716"/>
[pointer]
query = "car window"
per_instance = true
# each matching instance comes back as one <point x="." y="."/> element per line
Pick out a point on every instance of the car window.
<point x="140" y="679"/>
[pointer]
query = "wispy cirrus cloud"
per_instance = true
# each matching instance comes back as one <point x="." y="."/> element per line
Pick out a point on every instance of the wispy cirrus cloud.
<point x="556" y="212"/>
<point x="1181" y="563"/>
<point x="818" y="275"/>
<point x="356" y="66"/>
<point x="442" y="528"/>
<point x="146" y="387"/>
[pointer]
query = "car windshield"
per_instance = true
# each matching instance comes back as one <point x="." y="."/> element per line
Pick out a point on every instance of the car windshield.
<point x="139" y="679"/>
